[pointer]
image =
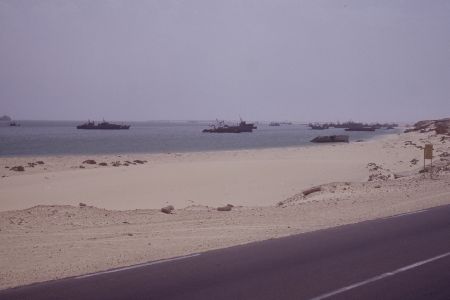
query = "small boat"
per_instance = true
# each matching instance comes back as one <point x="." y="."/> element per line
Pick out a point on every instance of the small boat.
<point x="331" y="139"/>
<point x="274" y="124"/>
<point x="102" y="125"/>
<point x="14" y="124"/>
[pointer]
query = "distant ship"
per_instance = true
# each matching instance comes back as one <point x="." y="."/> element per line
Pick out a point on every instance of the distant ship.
<point x="318" y="126"/>
<point x="274" y="124"/>
<point x="102" y="125"/>
<point x="5" y="118"/>
<point x="14" y="124"/>
<point x="221" y="127"/>
<point x="247" y="125"/>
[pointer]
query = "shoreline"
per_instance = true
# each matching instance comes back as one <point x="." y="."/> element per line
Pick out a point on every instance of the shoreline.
<point x="306" y="144"/>
<point x="31" y="158"/>
<point x="260" y="177"/>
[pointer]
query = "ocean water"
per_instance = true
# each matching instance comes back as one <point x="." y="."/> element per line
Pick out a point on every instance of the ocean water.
<point x="62" y="137"/>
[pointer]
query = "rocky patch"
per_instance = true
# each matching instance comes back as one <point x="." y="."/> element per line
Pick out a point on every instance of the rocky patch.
<point x="168" y="209"/>
<point x="18" y="169"/>
<point x="227" y="207"/>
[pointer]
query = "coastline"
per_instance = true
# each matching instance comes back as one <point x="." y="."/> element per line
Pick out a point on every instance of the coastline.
<point x="43" y="239"/>
<point x="261" y="177"/>
<point x="41" y="141"/>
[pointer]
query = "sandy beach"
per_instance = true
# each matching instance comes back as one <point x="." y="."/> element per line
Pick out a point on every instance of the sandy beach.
<point x="247" y="178"/>
<point x="45" y="234"/>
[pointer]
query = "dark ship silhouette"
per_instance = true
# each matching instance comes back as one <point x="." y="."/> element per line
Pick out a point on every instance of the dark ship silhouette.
<point x="318" y="126"/>
<point x="353" y="126"/>
<point x="221" y="127"/>
<point x="5" y="118"/>
<point x="102" y="125"/>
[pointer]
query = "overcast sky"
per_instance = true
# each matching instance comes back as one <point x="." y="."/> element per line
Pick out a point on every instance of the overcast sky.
<point x="314" y="60"/>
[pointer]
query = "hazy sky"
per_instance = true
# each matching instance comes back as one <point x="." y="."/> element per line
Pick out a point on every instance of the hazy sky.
<point x="205" y="59"/>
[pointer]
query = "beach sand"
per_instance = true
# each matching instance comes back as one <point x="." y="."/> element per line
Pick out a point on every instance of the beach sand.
<point x="248" y="178"/>
<point x="45" y="234"/>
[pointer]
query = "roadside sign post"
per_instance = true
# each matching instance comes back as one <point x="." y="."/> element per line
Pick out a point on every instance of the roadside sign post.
<point x="428" y="154"/>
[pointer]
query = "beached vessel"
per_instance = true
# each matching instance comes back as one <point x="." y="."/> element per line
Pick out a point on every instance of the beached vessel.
<point x="102" y="125"/>
<point x="331" y="139"/>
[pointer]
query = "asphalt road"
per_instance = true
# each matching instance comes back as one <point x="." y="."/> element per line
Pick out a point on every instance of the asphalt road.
<point x="402" y="257"/>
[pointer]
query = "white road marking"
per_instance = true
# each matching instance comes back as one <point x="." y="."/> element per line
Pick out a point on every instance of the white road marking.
<point x="137" y="266"/>
<point x="405" y="214"/>
<point x="379" y="277"/>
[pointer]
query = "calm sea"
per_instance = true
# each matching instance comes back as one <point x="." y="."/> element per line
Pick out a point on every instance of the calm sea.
<point x="58" y="138"/>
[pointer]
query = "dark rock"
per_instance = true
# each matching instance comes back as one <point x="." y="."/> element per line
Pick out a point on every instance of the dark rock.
<point x="40" y="162"/>
<point x="89" y="162"/>
<point x="311" y="190"/>
<point x="82" y="204"/>
<point x="82" y="167"/>
<point x="167" y="209"/>
<point x="441" y="129"/>
<point x="18" y="169"/>
<point x="414" y="161"/>
<point x="440" y="126"/>
<point x="373" y="166"/>
<point x="103" y="164"/>
<point x="397" y="176"/>
<point x="227" y="207"/>
<point x="116" y="164"/>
